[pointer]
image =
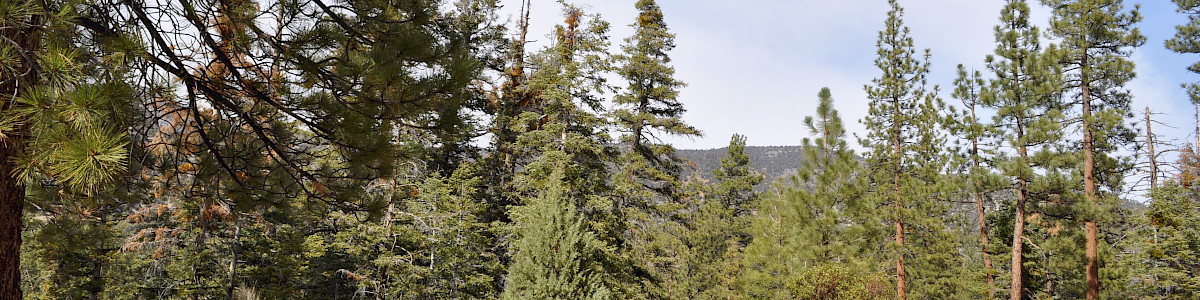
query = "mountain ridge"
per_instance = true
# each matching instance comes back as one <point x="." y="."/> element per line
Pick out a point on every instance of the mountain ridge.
<point x="772" y="161"/>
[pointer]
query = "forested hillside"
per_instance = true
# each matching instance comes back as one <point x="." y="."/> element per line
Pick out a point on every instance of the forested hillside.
<point x="430" y="149"/>
<point x="773" y="162"/>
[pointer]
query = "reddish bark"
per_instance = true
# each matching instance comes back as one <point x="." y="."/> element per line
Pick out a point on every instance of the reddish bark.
<point x="12" y="192"/>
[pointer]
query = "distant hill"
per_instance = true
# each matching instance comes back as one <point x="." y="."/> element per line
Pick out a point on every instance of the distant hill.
<point x="779" y="161"/>
<point x="773" y="161"/>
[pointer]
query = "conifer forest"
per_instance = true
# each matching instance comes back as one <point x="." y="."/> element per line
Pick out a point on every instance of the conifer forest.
<point x="448" y="149"/>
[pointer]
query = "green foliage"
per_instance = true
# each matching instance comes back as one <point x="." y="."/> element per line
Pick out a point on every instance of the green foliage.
<point x="72" y="120"/>
<point x="76" y="143"/>
<point x="1171" y="246"/>
<point x="329" y="150"/>
<point x="648" y="183"/>
<point x="430" y="243"/>
<point x="557" y="256"/>
<point x="907" y="164"/>
<point x="1096" y="46"/>
<point x="819" y="216"/>
<point x="829" y="281"/>
<point x="718" y="227"/>
<point x="567" y="203"/>
<point x="1097" y="37"/>
<point x="74" y="253"/>
<point x="1025" y="95"/>
<point x="735" y="181"/>
<point x="1187" y="40"/>
<point x="264" y="171"/>
<point x="650" y="101"/>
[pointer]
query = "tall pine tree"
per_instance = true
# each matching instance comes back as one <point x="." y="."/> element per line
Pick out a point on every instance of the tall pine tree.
<point x="650" y="102"/>
<point x="818" y="218"/>
<point x="564" y="146"/>
<point x="975" y="158"/>
<point x="719" y="225"/>
<point x="906" y="164"/>
<point x="1025" y="95"/>
<point x="649" y="183"/>
<point x="1097" y="37"/>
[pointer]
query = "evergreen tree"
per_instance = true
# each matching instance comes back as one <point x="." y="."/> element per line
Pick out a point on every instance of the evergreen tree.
<point x="566" y="111"/>
<point x="1174" y="246"/>
<point x="648" y="186"/>
<point x="975" y="158"/>
<point x="735" y="181"/>
<point x="565" y="131"/>
<point x="504" y="105"/>
<point x="719" y="225"/>
<point x="1025" y="95"/>
<point x="432" y="242"/>
<point x="240" y="123"/>
<point x="1187" y="40"/>
<point x="817" y="218"/>
<point x="66" y="105"/>
<point x="1097" y="37"/>
<point x="1169" y="246"/>
<point x="649" y="103"/>
<point x="906" y="162"/>
<point x="557" y="255"/>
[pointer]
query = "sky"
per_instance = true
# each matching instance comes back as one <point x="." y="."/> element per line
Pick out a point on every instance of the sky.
<point x="754" y="67"/>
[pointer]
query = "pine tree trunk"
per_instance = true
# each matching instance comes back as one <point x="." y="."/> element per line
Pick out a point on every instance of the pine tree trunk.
<point x="1018" y="242"/>
<point x="12" y="192"/>
<point x="983" y="239"/>
<point x="896" y="155"/>
<point x="233" y="257"/>
<point x="637" y="125"/>
<point x="899" y="243"/>
<point x="1089" y="187"/>
<point x="983" y="233"/>
<point x="12" y="204"/>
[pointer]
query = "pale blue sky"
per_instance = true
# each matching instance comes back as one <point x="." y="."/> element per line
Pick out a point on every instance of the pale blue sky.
<point x="754" y="67"/>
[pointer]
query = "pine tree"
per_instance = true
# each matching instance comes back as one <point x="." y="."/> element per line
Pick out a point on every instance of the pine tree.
<point x="565" y="131"/>
<point x="511" y="99"/>
<point x="566" y="111"/>
<point x="735" y="181"/>
<point x="1187" y="40"/>
<point x="433" y="241"/>
<point x="815" y="219"/>
<point x="969" y="88"/>
<point x="557" y="255"/>
<point x="66" y="102"/>
<point x="719" y="225"/>
<point x="1097" y="36"/>
<point x="649" y="182"/>
<point x="1169" y="245"/>
<point x="649" y="103"/>
<point x="17" y="74"/>
<point x="1025" y="95"/>
<point x="266" y="127"/>
<point x="402" y="77"/>
<point x="906" y="165"/>
<point x="931" y="224"/>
